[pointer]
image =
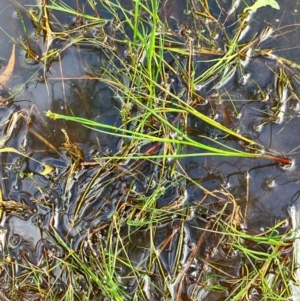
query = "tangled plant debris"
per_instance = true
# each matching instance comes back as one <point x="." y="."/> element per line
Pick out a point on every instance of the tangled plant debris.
<point x="162" y="146"/>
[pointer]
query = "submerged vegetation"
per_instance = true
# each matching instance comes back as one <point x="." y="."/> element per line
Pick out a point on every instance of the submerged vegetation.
<point x="133" y="222"/>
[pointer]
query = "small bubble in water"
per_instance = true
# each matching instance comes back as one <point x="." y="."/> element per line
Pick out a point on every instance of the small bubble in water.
<point x="191" y="246"/>
<point x="198" y="87"/>
<point x="18" y="164"/>
<point x="15" y="239"/>
<point x="17" y="187"/>
<point x="269" y="183"/>
<point x="94" y="152"/>
<point x="107" y="150"/>
<point x="254" y="295"/>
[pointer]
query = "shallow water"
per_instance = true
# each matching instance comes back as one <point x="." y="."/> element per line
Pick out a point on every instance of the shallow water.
<point x="74" y="206"/>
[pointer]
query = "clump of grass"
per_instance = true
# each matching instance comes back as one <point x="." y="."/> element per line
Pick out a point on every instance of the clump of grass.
<point x="144" y="84"/>
<point x="155" y="131"/>
<point x="266" y="262"/>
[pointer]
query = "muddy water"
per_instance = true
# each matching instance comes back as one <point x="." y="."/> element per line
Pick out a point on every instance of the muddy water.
<point x="39" y="204"/>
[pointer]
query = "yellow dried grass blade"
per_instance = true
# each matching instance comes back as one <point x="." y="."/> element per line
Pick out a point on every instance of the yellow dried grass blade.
<point x="47" y="168"/>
